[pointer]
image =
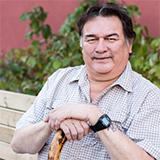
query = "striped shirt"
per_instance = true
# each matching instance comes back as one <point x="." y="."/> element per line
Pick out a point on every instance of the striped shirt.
<point x="132" y="103"/>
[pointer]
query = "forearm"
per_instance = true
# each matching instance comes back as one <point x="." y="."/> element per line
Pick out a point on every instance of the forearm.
<point x="30" y="139"/>
<point x="120" y="147"/>
<point x="117" y="144"/>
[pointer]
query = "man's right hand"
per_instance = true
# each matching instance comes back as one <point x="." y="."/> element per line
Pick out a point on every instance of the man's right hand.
<point x="75" y="129"/>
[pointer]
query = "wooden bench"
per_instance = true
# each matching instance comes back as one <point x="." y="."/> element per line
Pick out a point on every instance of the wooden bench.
<point x="12" y="107"/>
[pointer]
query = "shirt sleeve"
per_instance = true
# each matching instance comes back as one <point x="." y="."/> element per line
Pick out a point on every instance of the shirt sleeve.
<point x="35" y="113"/>
<point x="145" y="127"/>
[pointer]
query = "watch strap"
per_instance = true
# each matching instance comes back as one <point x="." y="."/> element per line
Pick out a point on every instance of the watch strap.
<point x="99" y="125"/>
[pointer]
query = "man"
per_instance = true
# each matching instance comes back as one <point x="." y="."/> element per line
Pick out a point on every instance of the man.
<point x="121" y="106"/>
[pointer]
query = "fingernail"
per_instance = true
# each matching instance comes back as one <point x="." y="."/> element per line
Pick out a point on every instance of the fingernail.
<point x="71" y="141"/>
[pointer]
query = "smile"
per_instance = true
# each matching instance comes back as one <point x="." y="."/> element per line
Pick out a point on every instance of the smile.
<point x="101" y="58"/>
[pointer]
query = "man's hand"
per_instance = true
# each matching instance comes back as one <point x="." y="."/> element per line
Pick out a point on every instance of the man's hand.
<point x="82" y="112"/>
<point x="75" y="129"/>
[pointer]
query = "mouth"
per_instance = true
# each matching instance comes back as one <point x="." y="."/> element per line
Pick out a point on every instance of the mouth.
<point x="101" y="58"/>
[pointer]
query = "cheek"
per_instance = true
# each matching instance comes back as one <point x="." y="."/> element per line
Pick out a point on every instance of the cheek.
<point x="84" y="55"/>
<point x="87" y="51"/>
<point x="120" y="51"/>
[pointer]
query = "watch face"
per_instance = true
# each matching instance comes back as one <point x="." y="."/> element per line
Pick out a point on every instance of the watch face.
<point x="105" y="121"/>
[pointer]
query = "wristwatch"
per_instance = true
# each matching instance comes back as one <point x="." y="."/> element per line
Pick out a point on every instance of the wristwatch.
<point x="103" y="122"/>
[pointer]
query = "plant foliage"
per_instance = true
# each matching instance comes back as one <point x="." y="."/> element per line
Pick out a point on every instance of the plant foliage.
<point x="26" y="70"/>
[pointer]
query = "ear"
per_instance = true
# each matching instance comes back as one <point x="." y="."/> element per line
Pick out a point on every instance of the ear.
<point x="130" y="48"/>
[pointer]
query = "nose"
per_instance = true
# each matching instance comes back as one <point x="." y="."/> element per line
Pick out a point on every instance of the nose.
<point x="101" y="46"/>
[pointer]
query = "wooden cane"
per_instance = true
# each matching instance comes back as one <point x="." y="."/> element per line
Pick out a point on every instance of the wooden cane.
<point x="57" y="145"/>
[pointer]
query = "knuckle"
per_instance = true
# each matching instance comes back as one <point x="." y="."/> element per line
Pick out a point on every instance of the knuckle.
<point x="58" y="118"/>
<point x="80" y="137"/>
<point x="74" y="135"/>
<point x="67" y="133"/>
<point x="81" y="131"/>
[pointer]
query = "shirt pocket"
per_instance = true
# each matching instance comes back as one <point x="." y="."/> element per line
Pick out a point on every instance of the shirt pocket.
<point x="119" y="118"/>
<point x="90" y="139"/>
<point x="92" y="148"/>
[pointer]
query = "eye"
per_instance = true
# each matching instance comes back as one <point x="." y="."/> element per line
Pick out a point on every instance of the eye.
<point x="91" y="40"/>
<point x="111" y="39"/>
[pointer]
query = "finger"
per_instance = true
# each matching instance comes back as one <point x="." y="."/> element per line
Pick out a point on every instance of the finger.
<point x="54" y="120"/>
<point x="50" y="126"/>
<point x="89" y="130"/>
<point x="57" y="122"/>
<point x="86" y="127"/>
<point x="46" y="119"/>
<point x="52" y="123"/>
<point x="69" y="130"/>
<point x="79" y="128"/>
<point x="66" y="131"/>
<point x="72" y="129"/>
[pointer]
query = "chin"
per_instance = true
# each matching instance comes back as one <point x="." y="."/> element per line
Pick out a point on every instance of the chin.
<point x="103" y="70"/>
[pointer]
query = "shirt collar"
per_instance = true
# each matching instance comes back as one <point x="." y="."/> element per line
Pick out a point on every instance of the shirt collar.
<point x="125" y="80"/>
<point x="80" y="74"/>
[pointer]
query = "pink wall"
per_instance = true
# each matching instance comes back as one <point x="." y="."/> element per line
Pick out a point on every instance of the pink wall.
<point x="150" y="14"/>
<point x="12" y="31"/>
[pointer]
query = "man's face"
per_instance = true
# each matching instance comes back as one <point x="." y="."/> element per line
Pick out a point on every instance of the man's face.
<point x="105" y="51"/>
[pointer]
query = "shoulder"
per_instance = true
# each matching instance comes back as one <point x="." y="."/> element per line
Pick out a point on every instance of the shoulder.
<point x="66" y="73"/>
<point x="144" y="86"/>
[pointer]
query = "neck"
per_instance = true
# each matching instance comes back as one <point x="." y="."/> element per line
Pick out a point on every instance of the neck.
<point x="97" y="86"/>
<point x="102" y="79"/>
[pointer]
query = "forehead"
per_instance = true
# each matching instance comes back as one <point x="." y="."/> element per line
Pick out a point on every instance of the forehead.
<point x="101" y="26"/>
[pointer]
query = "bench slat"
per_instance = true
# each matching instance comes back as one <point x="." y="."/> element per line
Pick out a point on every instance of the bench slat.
<point x="12" y="107"/>
<point x="9" y="117"/>
<point x="16" y="100"/>
<point x="6" y="133"/>
<point x="7" y="153"/>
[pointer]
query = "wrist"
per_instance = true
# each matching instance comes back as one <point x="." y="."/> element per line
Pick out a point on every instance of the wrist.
<point x="47" y="128"/>
<point x="103" y="122"/>
<point x="95" y="114"/>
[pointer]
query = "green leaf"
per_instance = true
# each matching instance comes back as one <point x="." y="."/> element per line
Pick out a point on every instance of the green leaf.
<point x="133" y="10"/>
<point x="137" y="62"/>
<point x="158" y="71"/>
<point x="43" y="16"/>
<point x="57" y="45"/>
<point x="3" y="84"/>
<point x="29" y="35"/>
<point x="24" y="16"/>
<point x="153" y="59"/>
<point x="66" y="62"/>
<point x="46" y="31"/>
<point x="34" y="25"/>
<point x="31" y="62"/>
<point x="152" y="71"/>
<point x="155" y="44"/>
<point x="25" y="85"/>
<point x="35" y="44"/>
<point x="144" y="50"/>
<point x="57" y="64"/>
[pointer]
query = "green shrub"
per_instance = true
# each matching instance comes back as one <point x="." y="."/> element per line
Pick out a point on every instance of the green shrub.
<point x="26" y="70"/>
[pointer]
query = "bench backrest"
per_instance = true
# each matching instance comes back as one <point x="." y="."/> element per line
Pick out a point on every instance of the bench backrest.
<point x="12" y="107"/>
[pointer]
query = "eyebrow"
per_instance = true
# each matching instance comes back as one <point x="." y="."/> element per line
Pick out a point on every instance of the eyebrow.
<point x="109" y="35"/>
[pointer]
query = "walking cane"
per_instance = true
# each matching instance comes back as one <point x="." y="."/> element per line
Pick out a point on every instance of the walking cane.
<point x="57" y="145"/>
